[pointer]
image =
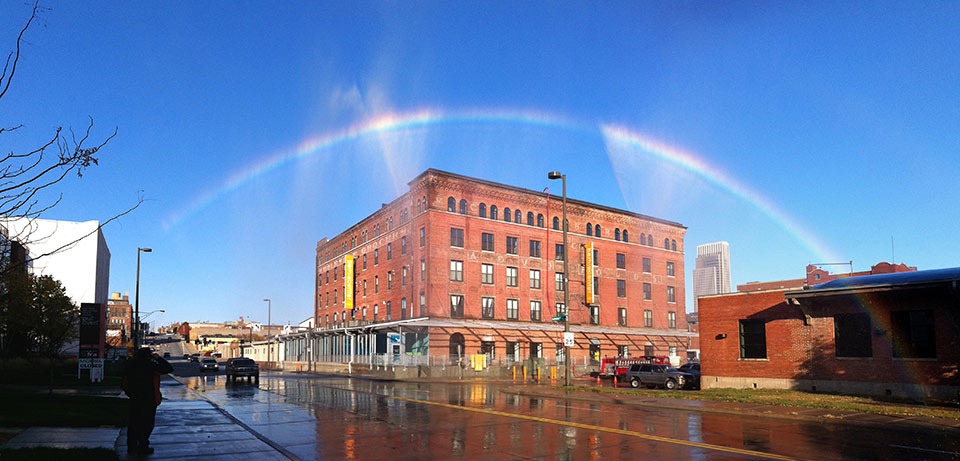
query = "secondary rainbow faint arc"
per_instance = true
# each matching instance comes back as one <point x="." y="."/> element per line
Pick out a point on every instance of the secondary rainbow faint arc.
<point x="392" y="122"/>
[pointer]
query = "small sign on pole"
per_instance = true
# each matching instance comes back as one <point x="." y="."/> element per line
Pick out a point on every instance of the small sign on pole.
<point x="568" y="339"/>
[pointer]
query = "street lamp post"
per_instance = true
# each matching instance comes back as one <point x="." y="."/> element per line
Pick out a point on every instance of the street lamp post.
<point x="566" y="277"/>
<point x="136" y="302"/>
<point x="267" y="333"/>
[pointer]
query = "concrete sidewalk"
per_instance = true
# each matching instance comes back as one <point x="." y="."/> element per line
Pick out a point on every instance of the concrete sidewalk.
<point x="187" y="427"/>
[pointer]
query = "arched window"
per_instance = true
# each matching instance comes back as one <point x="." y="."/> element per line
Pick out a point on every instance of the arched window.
<point x="529" y="218"/>
<point x="596" y="231"/>
<point x="517" y="217"/>
<point x="643" y="239"/>
<point x="425" y="206"/>
<point x="463" y="206"/>
<point x="666" y="244"/>
<point x="483" y="210"/>
<point x="673" y="245"/>
<point x="556" y="223"/>
<point x="457" y="350"/>
<point x="493" y="212"/>
<point x="625" y="237"/>
<point x="403" y="308"/>
<point x="589" y="229"/>
<point x="616" y="234"/>
<point x="419" y="207"/>
<point x="451" y="204"/>
<point x="539" y="220"/>
<point x="506" y="214"/>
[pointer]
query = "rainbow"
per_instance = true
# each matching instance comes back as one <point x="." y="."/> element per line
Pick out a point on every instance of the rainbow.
<point x="613" y="135"/>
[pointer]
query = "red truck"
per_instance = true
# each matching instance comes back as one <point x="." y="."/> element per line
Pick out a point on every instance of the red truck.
<point x="617" y="367"/>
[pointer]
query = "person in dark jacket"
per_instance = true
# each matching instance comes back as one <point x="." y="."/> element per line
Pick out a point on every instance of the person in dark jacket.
<point x="141" y="382"/>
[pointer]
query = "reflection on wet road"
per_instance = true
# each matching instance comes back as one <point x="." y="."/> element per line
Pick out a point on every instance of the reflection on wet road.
<point x="322" y="417"/>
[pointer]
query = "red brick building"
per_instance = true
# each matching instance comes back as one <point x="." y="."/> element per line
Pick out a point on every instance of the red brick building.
<point x="816" y="274"/>
<point x="896" y="333"/>
<point x="460" y="266"/>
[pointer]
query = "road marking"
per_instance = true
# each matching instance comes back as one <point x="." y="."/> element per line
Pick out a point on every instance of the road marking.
<point x="641" y="435"/>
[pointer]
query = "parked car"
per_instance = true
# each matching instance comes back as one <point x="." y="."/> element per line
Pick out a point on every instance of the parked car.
<point x="652" y="375"/>
<point x="209" y="364"/>
<point x="694" y="369"/>
<point x="194" y="357"/>
<point x="166" y="354"/>
<point x="242" y="367"/>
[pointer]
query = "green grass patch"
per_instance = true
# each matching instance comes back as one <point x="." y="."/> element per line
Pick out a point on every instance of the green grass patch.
<point x="58" y="454"/>
<point x="22" y="408"/>
<point x="790" y="398"/>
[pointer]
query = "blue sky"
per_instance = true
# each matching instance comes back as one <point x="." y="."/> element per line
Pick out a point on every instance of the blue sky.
<point x="800" y="132"/>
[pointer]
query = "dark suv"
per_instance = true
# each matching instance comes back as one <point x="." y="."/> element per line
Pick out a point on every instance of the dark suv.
<point x="242" y="367"/>
<point x="652" y="375"/>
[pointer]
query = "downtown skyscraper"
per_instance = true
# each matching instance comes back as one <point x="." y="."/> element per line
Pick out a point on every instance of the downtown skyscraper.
<point x="711" y="275"/>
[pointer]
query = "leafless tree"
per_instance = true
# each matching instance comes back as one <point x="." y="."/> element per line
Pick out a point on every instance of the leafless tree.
<point x="26" y="176"/>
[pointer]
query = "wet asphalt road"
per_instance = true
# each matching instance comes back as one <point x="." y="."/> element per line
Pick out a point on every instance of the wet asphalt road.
<point x="333" y="417"/>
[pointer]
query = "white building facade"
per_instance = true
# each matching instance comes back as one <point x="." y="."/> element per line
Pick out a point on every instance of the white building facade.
<point x="711" y="275"/>
<point x="74" y="253"/>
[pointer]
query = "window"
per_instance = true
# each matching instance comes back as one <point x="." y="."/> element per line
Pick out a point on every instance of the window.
<point x="423" y="270"/>
<point x="646" y="265"/>
<point x="463" y="206"/>
<point x="517" y="216"/>
<point x="487" y="310"/>
<point x="403" y="245"/>
<point x="561" y="309"/>
<point x="622" y="317"/>
<point x="558" y="278"/>
<point x="456" y="306"/>
<point x="671" y="270"/>
<point x="556" y="223"/>
<point x="486" y="242"/>
<point x="913" y="334"/>
<point x="456" y="237"/>
<point x="328" y="276"/>
<point x="403" y="277"/>
<point x="621" y="288"/>
<point x="512" y="276"/>
<point x="513" y="309"/>
<point x="335" y="269"/>
<point x="493" y="212"/>
<point x="647" y="291"/>
<point x="512" y="245"/>
<point x="589" y="229"/>
<point x="625" y="236"/>
<point x="513" y="351"/>
<point x="364" y="287"/>
<point x="647" y="318"/>
<point x="423" y="304"/>
<point x="529" y="218"/>
<point x="486" y="273"/>
<point x="753" y="339"/>
<point x="534" y="248"/>
<point x="403" y="308"/>
<point x="376" y="283"/>
<point x="596" y="231"/>
<point x="596" y="257"/>
<point x="507" y="215"/>
<point x="558" y="252"/>
<point x="643" y="239"/>
<point x="376" y="311"/>
<point x="623" y="351"/>
<point x="535" y="308"/>
<point x="673" y="245"/>
<point x="666" y="244"/>
<point x="852" y="335"/>
<point x="539" y="220"/>
<point x="535" y="279"/>
<point x="389" y="251"/>
<point x="671" y="320"/>
<point x="594" y="354"/>
<point x="451" y="204"/>
<point x="671" y="295"/>
<point x="616" y="234"/>
<point x="376" y="256"/>
<point x="595" y="315"/>
<point x="390" y="280"/>
<point x="389" y="305"/>
<point x="364" y="261"/>
<point x="456" y="271"/>
<point x="621" y="261"/>
<point x="423" y="236"/>
<point x="482" y="212"/>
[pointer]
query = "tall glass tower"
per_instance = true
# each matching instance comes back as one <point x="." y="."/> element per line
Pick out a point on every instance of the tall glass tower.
<point x="712" y="272"/>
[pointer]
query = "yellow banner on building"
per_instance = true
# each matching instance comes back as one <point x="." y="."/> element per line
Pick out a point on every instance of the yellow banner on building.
<point x="588" y="274"/>
<point x="348" y="285"/>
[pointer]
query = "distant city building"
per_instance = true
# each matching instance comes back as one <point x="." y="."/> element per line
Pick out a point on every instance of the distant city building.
<point x="73" y="253"/>
<point x="458" y="266"/>
<point x="711" y="275"/>
<point x="816" y="274"/>
<point x="119" y="312"/>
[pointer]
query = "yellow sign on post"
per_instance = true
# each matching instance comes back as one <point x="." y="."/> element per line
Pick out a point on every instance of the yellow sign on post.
<point x="588" y="273"/>
<point x="348" y="282"/>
